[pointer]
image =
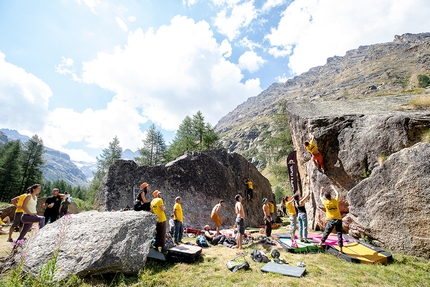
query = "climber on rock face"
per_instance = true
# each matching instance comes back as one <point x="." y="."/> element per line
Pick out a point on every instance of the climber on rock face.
<point x="317" y="157"/>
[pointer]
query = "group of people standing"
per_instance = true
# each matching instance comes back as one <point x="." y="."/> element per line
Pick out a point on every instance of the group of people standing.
<point x="156" y="205"/>
<point x="26" y="211"/>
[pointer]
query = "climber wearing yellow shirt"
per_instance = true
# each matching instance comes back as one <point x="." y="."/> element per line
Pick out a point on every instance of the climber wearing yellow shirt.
<point x="334" y="218"/>
<point x="317" y="157"/>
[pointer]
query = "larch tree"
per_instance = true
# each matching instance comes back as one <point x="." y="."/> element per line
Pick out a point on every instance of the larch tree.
<point x="32" y="162"/>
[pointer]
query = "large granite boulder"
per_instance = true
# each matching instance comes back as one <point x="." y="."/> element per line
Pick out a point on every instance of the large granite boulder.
<point x="392" y="206"/>
<point x="355" y="137"/>
<point x="92" y="243"/>
<point x="200" y="178"/>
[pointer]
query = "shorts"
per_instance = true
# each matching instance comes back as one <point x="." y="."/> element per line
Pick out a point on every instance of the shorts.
<point x="17" y="220"/>
<point x="216" y="219"/>
<point x="240" y="225"/>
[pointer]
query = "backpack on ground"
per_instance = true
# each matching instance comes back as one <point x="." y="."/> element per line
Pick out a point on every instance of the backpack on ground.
<point x="201" y="241"/>
<point x="169" y="242"/>
<point x="237" y="263"/>
<point x="259" y="256"/>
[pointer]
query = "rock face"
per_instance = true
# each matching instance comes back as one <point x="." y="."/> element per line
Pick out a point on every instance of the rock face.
<point x="93" y="243"/>
<point x="355" y="137"/>
<point x="393" y="204"/>
<point x="200" y="178"/>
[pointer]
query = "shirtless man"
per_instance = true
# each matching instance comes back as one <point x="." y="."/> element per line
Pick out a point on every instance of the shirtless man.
<point x="240" y="217"/>
<point x="215" y="216"/>
<point x="267" y="217"/>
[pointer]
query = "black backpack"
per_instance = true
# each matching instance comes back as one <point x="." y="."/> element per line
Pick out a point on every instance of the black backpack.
<point x="259" y="256"/>
<point x="237" y="263"/>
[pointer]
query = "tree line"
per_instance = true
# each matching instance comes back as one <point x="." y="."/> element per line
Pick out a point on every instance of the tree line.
<point x="20" y="166"/>
<point x="193" y="134"/>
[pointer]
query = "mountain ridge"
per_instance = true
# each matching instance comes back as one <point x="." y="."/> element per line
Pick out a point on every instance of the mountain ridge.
<point x="368" y="71"/>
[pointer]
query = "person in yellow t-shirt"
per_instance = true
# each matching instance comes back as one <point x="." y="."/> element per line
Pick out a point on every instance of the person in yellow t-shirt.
<point x="5" y="220"/>
<point x="157" y="207"/>
<point x="249" y="189"/>
<point x="178" y="219"/>
<point x="292" y="214"/>
<point x="317" y="157"/>
<point x="17" y="223"/>
<point x="333" y="216"/>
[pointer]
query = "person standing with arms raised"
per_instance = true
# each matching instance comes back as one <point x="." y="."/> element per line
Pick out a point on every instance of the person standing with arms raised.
<point x="333" y="216"/>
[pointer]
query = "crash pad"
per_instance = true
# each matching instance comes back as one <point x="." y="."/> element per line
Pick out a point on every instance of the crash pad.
<point x="154" y="254"/>
<point x="302" y="247"/>
<point x="283" y="269"/>
<point x="360" y="253"/>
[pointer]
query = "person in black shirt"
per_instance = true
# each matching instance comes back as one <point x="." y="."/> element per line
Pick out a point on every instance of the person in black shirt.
<point x="52" y="205"/>
<point x="141" y="203"/>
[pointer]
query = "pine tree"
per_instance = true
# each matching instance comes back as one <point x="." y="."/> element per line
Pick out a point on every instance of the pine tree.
<point x="154" y="148"/>
<point x="108" y="157"/>
<point x="198" y="130"/>
<point x="10" y="170"/>
<point x="277" y="147"/>
<point x="32" y="162"/>
<point x="210" y="138"/>
<point x="193" y="135"/>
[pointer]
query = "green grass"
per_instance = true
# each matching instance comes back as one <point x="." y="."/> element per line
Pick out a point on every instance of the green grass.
<point x="421" y="103"/>
<point x="323" y="269"/>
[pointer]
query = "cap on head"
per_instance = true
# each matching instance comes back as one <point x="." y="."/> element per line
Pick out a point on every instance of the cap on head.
<point x="264" y="200"/>
<point x="237" y="197"/>
<point x="156" y="193"/>
<point x="143" y="185"/>
<point x="206" y="227"/>
<point x="177" y="198"/>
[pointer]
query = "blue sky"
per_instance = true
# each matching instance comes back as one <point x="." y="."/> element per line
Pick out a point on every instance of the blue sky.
<point x="79" y="72"/>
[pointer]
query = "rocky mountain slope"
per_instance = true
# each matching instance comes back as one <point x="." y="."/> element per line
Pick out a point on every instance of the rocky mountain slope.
<point x="58" y="165"/>
<point x="369" y="71"/>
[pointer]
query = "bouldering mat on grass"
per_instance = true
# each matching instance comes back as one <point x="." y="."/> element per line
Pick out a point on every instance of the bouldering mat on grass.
<point x="331" y="239"/>
<point x="302" y="247"/>
<point x="283" y="269"/>
<point x="154" y="254"/>
<point x="360" y="252"/>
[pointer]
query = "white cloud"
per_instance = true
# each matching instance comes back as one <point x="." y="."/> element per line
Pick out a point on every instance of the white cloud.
<point x="234" y="17"/>
<point x="251" y="45"/>
<point x="131" y="18"/>
<point x="23" y="98"/>
<point x="78" y="155"/>
<point x="315" y="30"/>
<point x="282" y="79"/>
<point x="92" y="4"/>
<point x="270" y="4"/>
<point x="189" y="2"/>
<point x="95" y="127"/>
<point x="67" y="68"/>
<point x="121" y="24"/>
<point x="171" y="73"/>
<point x="251" y="61"/>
